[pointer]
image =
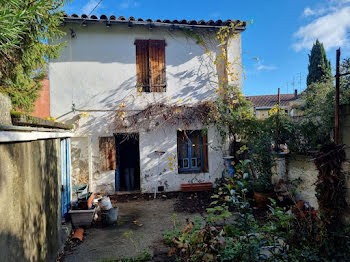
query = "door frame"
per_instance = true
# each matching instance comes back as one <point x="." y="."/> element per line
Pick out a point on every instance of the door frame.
<point x="65" y="176"/>
<point x="117" y="158"/>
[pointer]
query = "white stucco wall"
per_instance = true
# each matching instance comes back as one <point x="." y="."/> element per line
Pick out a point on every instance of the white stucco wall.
<point x="97" y="73"/>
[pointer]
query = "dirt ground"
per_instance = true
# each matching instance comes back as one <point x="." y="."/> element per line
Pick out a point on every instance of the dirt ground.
<point x="147" y="219"/>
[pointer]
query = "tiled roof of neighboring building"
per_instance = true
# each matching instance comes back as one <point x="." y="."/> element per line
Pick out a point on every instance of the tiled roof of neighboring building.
<point x="268" y="101"/>
<point x="158" y="22"/>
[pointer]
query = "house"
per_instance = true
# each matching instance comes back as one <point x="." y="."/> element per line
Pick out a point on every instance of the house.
<point x="264" y="103"/>
<point x="136" y="91"/>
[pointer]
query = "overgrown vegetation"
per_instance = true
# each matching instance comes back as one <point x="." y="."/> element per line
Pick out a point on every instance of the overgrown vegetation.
<point x="231" y="231"/>
<point x="27" y="30"/>
<point x="288" y="230"/>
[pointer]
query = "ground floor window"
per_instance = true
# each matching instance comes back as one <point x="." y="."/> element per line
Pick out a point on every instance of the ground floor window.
<point x="192" y="151"/>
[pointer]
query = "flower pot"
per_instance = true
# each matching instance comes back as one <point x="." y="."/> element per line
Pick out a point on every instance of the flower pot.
<point x="196" y="187"/>
<point x="262" y="199"/>
<point x="82" y="217"/>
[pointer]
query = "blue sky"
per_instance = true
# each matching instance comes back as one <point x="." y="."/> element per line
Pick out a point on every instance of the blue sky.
<point x="280" y="37"/>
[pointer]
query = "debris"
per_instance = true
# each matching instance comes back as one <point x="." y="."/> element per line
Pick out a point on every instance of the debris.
<point x="78" y="234"/>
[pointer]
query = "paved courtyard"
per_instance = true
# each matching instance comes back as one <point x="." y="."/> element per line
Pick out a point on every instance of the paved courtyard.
<point x="148" y="220"/>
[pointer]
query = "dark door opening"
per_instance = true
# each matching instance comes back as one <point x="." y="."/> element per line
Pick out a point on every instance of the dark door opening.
<point x="128" y="162"/>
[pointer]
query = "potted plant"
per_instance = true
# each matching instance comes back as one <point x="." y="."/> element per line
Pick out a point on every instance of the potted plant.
<point x="263" y="190"/>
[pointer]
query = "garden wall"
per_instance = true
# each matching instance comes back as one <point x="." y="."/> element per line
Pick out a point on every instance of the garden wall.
<point x="301" y="170"/>
<point x="345" y="139"/>
<point x="30" y="200"/>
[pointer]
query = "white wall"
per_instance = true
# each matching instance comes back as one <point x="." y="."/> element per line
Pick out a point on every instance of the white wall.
<point x="165" y="139"/>
<point x="97" y="73"/>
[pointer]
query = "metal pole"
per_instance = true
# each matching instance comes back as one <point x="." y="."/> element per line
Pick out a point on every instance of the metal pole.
<point x="337" y="84"/>
<point x="279" y="97"/>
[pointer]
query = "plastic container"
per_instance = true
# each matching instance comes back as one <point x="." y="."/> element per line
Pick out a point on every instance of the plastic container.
<point x="82" y="217"/>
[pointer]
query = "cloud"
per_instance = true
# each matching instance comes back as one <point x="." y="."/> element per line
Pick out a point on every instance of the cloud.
<point x="125" y="4"/>
<point x="331" y="29"/>
<point x="314" y="12"/>
<point x="89" y="6"/>
<point x="259" y="66"/>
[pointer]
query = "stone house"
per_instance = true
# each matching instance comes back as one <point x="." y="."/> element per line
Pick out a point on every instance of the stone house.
<point x="136" y="92"/>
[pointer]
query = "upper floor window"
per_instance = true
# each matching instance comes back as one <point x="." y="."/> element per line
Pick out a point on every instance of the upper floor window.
<point x="192" y="151"/>
<point x="150" y="65"/>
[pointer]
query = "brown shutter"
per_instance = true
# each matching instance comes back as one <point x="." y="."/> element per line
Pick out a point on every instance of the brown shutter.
<point x="157" y="65"/>
<point x="142" y="66"/>
<point x="107" y="153"/>
<point x="205" y="153"/>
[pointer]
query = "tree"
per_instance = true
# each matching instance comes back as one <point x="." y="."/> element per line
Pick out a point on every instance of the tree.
<point x="26" y="29"/>
<point x="319" y="66"/>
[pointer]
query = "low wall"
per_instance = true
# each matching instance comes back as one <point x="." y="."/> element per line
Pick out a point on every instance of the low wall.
<point x="301" y="171"/>
<point x="30" y="200"/>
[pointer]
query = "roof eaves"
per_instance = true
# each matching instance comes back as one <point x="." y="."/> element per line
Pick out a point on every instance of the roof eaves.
<point x="241" y="25"/>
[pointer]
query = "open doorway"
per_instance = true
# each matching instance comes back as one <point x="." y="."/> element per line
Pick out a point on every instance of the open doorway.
<point x="128" y="162"/>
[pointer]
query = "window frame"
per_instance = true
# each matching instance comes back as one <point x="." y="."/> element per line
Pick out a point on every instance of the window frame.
<point x="203" y="168"/>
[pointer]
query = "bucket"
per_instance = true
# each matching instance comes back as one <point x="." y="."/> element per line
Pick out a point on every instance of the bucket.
<point x="110" y="216"/>
<point x="105" y="203"/>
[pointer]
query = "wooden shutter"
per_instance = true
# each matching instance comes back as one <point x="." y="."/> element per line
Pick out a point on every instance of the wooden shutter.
<point x="107" y="153"/>
<point x="157" y="65"/>
<point x="205" y="153"/>
<point x="142" y="65"/>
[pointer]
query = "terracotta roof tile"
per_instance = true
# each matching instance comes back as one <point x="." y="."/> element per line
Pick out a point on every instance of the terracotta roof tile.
<point x="182" y="22"/>
<point x="271" y="100"/>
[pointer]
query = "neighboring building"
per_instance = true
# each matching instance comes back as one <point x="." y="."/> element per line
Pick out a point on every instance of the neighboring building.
<point x="42" y="104"/>
<point x="263" y="104"/>
<point x="123" y="82"/>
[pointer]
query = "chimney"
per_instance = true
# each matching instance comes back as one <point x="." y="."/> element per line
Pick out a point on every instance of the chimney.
<point x="295" y="93"/>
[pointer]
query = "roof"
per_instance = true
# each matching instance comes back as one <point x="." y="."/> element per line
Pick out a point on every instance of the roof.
<point x="268" y="101"/>
<point x="85" y="19"/>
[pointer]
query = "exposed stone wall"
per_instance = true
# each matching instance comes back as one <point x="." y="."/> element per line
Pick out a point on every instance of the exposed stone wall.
<point x="5" y="108"/>
<point x="30" y="200"/>
<point x="80" y="161"/>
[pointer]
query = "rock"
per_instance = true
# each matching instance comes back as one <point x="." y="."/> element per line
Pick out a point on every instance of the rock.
<point x="5" y="108"/>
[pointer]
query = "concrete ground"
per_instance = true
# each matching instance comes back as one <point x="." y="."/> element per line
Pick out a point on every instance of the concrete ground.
<point x="147" y="220"/>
